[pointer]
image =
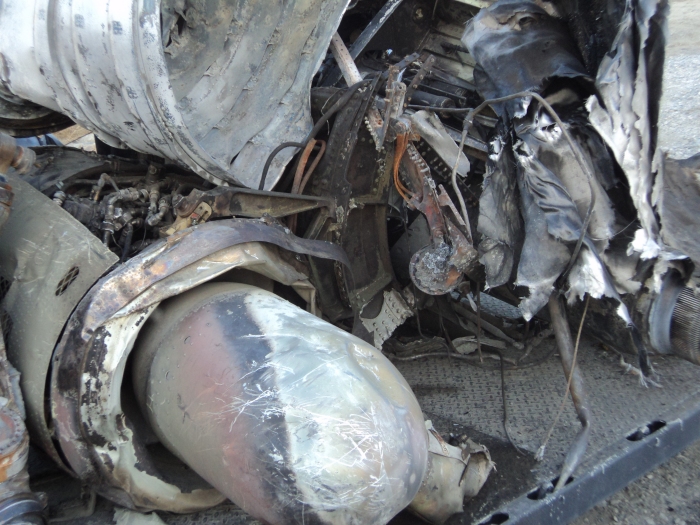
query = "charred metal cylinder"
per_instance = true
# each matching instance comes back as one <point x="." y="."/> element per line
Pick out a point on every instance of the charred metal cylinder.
<point x="291" y="418"/>
<point x="213" y="84"/>
<point x="674" y="320"/>
<point x="12" y="155"/>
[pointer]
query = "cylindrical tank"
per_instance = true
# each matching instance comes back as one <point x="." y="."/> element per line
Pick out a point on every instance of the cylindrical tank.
<point x="290" y="417"/>
<point x="213" y="84"/>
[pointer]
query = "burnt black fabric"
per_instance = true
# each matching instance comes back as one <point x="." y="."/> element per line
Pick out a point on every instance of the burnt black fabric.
<point x="499" y="212"/>
<point x="536" y="50"/>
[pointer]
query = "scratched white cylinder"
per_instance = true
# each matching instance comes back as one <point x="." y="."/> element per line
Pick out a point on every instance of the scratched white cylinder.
<point x="293" y="419"/>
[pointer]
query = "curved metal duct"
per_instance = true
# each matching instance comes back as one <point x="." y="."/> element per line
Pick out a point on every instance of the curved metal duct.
<point x="212" y="84"/>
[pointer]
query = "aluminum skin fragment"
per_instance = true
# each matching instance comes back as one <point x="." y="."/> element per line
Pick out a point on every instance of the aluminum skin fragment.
<point x="516" y="43"/>
<point x="629" y="84"/>
<point x="429" y="127"/>
<point x="542" y="258"/>
<point x="677" y="203"/>
<point x="500" y="222"/>
<point x="555" y="190"/>
<point x="454" y="474"/>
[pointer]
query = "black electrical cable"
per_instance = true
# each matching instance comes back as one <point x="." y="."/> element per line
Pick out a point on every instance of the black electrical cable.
<point x="128" y="237"/>
<point x="451" y="346"/>
<point x="273" y="154"/>
<point x="321" y="122"/>
<point x="468" y="360"/>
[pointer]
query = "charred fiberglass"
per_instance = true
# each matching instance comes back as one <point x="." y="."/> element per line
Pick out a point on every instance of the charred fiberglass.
<point x="298" y="214"/>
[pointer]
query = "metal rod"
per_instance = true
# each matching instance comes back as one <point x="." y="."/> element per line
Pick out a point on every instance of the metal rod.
<point x="562" y="333"/>
<point x="345" y="62"/>
<point x="359" y="45"/>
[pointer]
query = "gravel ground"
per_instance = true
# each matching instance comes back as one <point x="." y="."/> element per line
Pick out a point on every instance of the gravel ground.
<point x="671" y="493"/>
<point x="679" y="126"/>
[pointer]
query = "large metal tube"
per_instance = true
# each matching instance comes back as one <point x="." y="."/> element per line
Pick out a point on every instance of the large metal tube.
<point x="213" y="84"/>
<point x="291" y="418"/>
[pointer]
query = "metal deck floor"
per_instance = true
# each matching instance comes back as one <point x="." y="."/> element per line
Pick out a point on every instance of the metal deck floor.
<point x="467" y="399"/>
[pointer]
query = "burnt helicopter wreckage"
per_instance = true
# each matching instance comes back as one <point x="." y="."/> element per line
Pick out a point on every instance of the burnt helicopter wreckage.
<point x="287" y="198"/>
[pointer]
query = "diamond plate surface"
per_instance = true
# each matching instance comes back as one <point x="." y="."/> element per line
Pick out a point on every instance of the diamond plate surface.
<point x="471" y="396"/>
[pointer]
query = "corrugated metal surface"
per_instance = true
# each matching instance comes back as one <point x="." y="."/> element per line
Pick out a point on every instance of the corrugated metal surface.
<point x="111" y="68"/>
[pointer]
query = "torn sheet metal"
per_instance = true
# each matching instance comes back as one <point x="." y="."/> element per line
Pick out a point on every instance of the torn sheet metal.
<point x="309" y="423"/>
<point x="629" y="84"/>
<point x="91" y="356"/>
<point x="545" y="141"/>
<point x="677" y="201"/>
<point x="392" y="315"/>
<point x="500" y="222"/>
<point x="455" y="474"/>
<point x="542" y="178"/>
<point x="116" y="71"/>
<point x="431" y="129"/>
<point x="543" y="258"/>
<point x="49" y="260"/>
<point x="555" y="189"/>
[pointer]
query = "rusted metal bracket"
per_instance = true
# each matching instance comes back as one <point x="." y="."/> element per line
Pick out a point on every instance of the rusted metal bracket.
<point x="12" y="155"/>
<point x="420" y="76"/>
<point x="140" y="284"/>
<point x="228" y="201"/>
<point x="439" y="267"/>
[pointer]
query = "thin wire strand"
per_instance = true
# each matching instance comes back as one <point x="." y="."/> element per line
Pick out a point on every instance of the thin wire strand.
<point x="462" y="204"/>
<point x="401" y="145"/>
<point x="478" y="321"/>
<point x="503" y="385"/>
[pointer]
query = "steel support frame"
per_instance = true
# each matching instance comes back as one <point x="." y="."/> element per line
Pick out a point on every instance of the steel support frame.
<point x="608" y="471"/>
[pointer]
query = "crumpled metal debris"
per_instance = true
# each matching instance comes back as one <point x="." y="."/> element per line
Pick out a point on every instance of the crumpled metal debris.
<point x="431" y="129"/>
<point x="455" y="474"/>
<point x="677" y="201"/>
<point x="535" y="45"/>
<point x="556" y="192"/>
<point x="625" y="115"/>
